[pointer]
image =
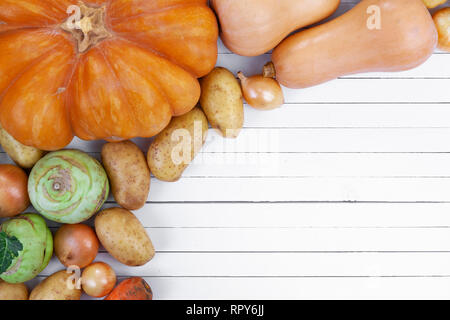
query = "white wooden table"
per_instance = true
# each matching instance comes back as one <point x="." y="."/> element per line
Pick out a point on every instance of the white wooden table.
<point x="344" y="192"/>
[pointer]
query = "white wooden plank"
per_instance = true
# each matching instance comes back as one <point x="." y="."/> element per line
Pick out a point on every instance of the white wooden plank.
<point x="332" y="140"/>
<point x="350" y="116"/>
<point x="373" y="91"/>
<point x="294" y="215"/>
<point x="247" y="165"/>
<point x="315" y="140"/>
<point x="303" y="189"/>
<point x="300" y="239"/>
<point x="289" y="215"/>
<point x="281" y="265"/>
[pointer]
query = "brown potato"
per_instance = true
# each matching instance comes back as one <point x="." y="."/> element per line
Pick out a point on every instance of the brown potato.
<point x="24" y="156"/>
<point x="442" y="21"/>
<point x="56" y="287"/>
<point x="9" y="291"/>
<point x="222" y="102"/>
<point x="176" y="146"/>
<point x="433" y="3"/>
<point x="124" y="237"/>
<point x="128" y="173"/>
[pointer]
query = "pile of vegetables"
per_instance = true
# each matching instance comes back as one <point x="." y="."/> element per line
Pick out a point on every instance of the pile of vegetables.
<point x="130" y="69"/>
<point x="69" y="187"/>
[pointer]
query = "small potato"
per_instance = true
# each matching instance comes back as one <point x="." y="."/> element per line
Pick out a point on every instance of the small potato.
<point x="124" y="237"/>
<point x="9" y="291"/>
<point x="128" y="173"/>
<point x="442" y="21"/>
<point x="433" y="3"/>
<point x="24" y="156"/>
<point x="222" y="102"/>
<point x="58" y="286"/>
<point x="176" y="146"/>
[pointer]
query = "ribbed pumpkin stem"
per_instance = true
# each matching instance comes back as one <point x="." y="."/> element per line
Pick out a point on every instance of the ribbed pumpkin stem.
<point x="90" y="29"/>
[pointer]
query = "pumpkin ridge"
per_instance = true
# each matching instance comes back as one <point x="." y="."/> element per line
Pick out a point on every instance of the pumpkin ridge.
<point x="19" y="28"/>
<point x="66" y="93"/>
<point x="154" y="51"/>
<point x="58" y="5"/>
<point x="157" y="83"/>
<point x="87" y="130"/>
<point x="187" y="34"/>
<point x="153" y="12"/>
<point x="33" y="120"/>
<point x="28" y="67"/>
<point x="154" y="78"/>
<point x="150" y="48"/>
<point x="120" y="86"/>
<point x="49" y="17"/>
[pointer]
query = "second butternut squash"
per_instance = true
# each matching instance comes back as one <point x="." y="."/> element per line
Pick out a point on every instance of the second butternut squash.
<point x="376" y="35"/>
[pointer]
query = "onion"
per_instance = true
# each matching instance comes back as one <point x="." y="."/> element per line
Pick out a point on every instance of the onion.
<point x="98" y="279"/>
<point x="262" y="91"/>
<point x="76" y="245"/>
<point x="13" y="191"/>
<point x="442" y="20"/>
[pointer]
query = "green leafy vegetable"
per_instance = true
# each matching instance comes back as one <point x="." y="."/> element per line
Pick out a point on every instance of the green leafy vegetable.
<point x="9" y="250"/>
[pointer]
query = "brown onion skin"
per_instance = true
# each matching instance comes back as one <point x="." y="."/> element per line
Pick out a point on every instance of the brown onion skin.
<point x="261" y="92"/>
<point x="13" y="191"/>
<point x="433" y="3"/>
<point x="98" y="279"/>
<point x="76" y="245"/>
<point x="442" y="21"/>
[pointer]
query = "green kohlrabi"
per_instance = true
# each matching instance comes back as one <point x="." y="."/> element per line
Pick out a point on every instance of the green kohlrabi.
<point x="26" y="247"/>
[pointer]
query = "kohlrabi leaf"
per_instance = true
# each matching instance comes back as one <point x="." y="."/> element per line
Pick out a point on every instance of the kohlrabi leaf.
<point x="10" y="247"/>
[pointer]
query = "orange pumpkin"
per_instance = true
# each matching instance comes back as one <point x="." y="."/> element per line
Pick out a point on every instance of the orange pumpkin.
<point x="121" y="70"/>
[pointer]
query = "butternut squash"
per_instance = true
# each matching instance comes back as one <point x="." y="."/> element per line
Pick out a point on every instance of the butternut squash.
<point x="376" y="35"/>
<point x="253" y="27"/>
